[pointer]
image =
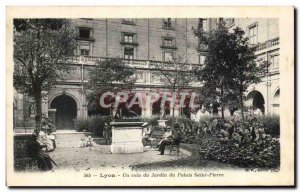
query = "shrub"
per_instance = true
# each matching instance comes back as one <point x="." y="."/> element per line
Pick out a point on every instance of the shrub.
<point x="97" y="124"/>
<point x="152" y="121"/>
<point x="82" y="124"/>
<point x="190" y="129"/>
<point x="271" y="124"/>
<point x="242" y="144"/>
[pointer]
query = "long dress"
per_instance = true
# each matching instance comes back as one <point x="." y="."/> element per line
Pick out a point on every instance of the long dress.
<point x="44" y="140"/>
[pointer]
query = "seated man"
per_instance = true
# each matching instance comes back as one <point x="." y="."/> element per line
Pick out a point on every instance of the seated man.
<point x="174" y="138"/>
<point x="166" y="137"/>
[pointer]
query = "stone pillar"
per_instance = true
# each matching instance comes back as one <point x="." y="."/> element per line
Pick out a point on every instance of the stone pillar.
<point x="176" y="112"/>
<point x="51" y="115"/>
<point x="126" y="137"/>
<point x="45" y="103"/>
<point x="85" y="112"/>
<point x="146" y="110"/>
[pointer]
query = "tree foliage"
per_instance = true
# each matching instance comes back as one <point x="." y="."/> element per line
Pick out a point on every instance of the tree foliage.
<point x="230" y="67"/>
<point x="41" y="50"/>
<point x="111" y="74"/>
<point x="177" y="74"/>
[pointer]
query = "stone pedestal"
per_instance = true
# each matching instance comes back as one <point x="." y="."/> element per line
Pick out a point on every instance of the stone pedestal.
<point x="126" y="137"/>
<point x="162" y="122"/>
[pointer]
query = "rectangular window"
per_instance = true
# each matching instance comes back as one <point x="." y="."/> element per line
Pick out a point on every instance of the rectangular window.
<point x="168" y="42"/>
<point x="253" y="34"/>
<point x="167" y="23"/>
<point x="85" y="33"/>
<point x="84" y="52"/>
<point x="128" y="53"/>
<point x="167" y="56"/>
<point x="128" y="38"/>
<point x="128" y="20"/>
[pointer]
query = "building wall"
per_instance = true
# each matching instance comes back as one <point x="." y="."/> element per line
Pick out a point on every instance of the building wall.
<point x="267" y="27"/>
<point x="106" y="42"/>
<point x="267" y="35"/>
<point x="107" y="34"/>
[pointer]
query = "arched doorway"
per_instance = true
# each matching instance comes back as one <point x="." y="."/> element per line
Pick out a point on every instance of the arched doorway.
<point x="66" y="111"/>
<point x="256" y="100"/>
<point x="276" y="103"/>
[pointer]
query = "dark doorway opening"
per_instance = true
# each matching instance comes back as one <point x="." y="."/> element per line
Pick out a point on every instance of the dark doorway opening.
<point x="66" y="111"/>
<point x="257" y="101"/>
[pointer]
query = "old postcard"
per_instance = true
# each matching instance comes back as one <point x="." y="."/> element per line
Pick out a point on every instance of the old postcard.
<point x="150" y="96"/>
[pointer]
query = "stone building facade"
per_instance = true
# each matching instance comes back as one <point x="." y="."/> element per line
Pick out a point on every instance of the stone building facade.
<point x="140" y="42"/>
<point x="263" y="33"/>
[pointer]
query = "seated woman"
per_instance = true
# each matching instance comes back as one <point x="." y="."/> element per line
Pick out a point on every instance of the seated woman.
<point x="34" y="151"/>
<point x="44" y="138"/>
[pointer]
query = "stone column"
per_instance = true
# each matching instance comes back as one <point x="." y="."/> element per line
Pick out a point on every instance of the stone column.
<point x="51" y="115"/>
<point x="146" y="110"/>
<point x="176" y="112"/>
<point x="45" y="103"/>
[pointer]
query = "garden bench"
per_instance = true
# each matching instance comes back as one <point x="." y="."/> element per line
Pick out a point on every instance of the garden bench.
<point x="174" y="147"/>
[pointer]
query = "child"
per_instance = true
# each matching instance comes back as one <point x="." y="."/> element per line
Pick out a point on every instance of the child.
<point x="81" y="143"/>
<point x="89" y="142"/>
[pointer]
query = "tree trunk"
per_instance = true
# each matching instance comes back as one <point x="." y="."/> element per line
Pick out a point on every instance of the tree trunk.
<point x="242" y="106"/>
<point x="173" y="107"/>
<point x="38" y="109"/>
<point x="222" y="112"/>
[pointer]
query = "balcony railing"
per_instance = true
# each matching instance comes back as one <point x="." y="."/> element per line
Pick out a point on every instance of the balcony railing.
<point x="91" y="60"/>
<point x="268" y="44"/>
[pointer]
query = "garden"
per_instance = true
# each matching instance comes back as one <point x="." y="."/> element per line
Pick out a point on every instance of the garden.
<point x="249" y="143"/>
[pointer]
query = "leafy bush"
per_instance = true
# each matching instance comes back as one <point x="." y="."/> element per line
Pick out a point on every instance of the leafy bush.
<point x="152" y="121"/>
<point x="98" y="123"/>
<point x="82" y="124"/>
<point x="243" y="144"/>
<point x="271" y="124"/>
<point x="189" y="128"/>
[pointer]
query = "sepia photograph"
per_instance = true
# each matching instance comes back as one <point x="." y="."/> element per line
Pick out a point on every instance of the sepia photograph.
<point x="179" y="100"/>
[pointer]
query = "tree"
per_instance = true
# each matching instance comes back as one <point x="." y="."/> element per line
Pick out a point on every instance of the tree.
<point x="176" y="75"/>
<point x="109" y="75"/>
<point x="229" y="68"/>
<point x="41" y="50"/>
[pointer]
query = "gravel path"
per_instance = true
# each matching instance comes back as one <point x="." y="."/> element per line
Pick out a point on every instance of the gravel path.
<point x="68" y="156"/>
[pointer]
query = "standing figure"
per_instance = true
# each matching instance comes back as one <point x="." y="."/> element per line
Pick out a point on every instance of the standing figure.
<point x="107" y="134"/>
